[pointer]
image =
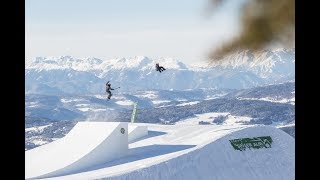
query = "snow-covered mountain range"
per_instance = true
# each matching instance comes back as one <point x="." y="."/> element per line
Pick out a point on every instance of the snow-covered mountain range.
<point x="70" y="75"/>
<point x="52" y="116"/>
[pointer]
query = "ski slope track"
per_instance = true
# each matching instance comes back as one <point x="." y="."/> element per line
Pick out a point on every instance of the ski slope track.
<point x="188" y="152"/>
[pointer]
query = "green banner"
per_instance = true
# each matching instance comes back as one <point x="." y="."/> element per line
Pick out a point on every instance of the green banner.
<point x="255" y="143"/>
<point x="133" y="116"/>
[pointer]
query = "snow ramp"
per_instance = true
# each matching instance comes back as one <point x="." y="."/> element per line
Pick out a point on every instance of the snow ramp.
<point x="204" y="152"/>
<point x="136" y="131"/>
<point x="256" y="152"/>
<point x="86" y="145"/>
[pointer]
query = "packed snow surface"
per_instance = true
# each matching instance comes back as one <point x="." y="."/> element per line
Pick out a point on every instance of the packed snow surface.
<point x="188" y="151"/>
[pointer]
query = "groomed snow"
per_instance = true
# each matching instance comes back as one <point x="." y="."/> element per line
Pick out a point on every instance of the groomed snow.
<point x="188" y="152"/>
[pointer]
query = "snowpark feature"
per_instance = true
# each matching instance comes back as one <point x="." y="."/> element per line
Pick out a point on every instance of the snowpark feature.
<point x="136" y="132"/>
<point x="197" y="152"/>
<point x="87" y="144"/>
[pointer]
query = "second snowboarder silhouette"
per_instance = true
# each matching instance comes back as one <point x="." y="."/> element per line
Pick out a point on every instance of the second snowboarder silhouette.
<point x="159" y="68"/>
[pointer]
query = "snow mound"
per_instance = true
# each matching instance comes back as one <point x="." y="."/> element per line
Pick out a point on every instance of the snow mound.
<point x="219" y="160"/>
<point x="202" y="152"/>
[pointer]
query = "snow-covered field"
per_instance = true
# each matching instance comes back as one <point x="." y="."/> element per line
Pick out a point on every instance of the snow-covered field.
<point x="38" y="128"/>
<point x="160" y="101"/>
<point x="148" y="94"/>
<point x="286" y="125"/>
<point x="290" y="101"/>
<point x="39" y="142"/>
<point x="188" y="103"/>
<point x="70" y="100"/>
<point x="209" y="117"/>
<point x="187" y="151"/>
<point x="125" y="103"/>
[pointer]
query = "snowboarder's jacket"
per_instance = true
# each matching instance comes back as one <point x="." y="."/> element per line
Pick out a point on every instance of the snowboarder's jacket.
<point x="108" y="87"/>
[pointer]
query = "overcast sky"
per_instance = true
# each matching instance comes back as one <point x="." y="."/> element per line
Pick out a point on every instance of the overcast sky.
<point x="125" y="28"/>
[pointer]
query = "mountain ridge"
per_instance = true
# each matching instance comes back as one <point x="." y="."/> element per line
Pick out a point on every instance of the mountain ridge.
<point x="243" y="70"/>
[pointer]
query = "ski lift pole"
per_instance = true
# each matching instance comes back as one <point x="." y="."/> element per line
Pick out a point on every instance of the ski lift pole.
<point x="133" y="116"/>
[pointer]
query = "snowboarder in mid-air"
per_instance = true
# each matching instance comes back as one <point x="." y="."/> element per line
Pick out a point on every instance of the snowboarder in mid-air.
<point x="108" y="88"/>
<point x="159" y="68"/>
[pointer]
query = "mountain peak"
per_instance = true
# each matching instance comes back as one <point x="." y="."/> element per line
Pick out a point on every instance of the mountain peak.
<point x="242" y="69"/>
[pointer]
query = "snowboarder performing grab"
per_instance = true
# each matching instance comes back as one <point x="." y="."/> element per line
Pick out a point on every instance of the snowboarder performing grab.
<point x="159" y="68"/>
<point x="108" y="88"/>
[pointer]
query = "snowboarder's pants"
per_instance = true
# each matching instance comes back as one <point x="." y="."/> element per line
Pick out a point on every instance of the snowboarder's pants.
<point x="110" y="94"/>
<point x="160" y="69"/>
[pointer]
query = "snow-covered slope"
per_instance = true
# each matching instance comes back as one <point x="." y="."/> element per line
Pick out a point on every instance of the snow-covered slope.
<point x="202" y="152"/>
<point x="66" y="74"/>
<point x="280" y="93"/>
